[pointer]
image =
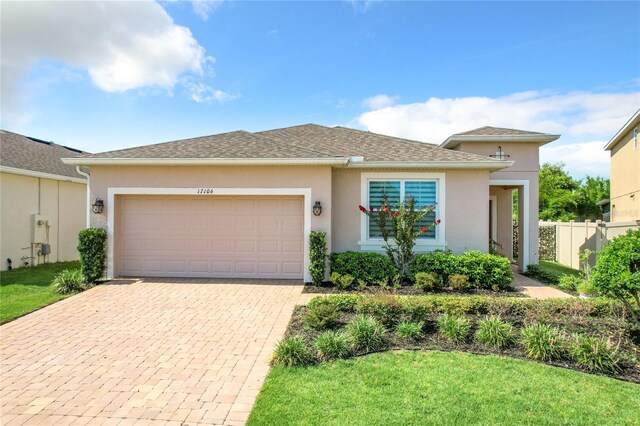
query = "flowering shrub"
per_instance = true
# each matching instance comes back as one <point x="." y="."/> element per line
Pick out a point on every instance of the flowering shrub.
<point x="399" y="227"/>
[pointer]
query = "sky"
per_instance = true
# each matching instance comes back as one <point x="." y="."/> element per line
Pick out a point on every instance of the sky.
<point x="108" y="75"/>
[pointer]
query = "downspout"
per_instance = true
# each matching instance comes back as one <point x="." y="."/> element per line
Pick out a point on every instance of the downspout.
<point x="86" y="175"/>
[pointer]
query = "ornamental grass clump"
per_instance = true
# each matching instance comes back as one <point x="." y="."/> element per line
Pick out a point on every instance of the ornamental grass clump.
<point x="365" y="333"/>
<point x="495" y="332"/>
<point x="331" y="345"/>
<point x="594" y="354"/>
<point x="410" y="330"/>
<point x="290" y="352"/>
<point x="542" y="342"/>
<point x="69" y="281"/>
<point x="454" y="328"/>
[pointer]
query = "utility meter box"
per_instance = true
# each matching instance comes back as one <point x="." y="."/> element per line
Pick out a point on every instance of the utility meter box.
<point x="45" y="249"/>
<point x="39" y="228"/>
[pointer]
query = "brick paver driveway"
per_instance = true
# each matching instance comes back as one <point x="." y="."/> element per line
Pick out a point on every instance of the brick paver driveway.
<point x="150" y="351"/>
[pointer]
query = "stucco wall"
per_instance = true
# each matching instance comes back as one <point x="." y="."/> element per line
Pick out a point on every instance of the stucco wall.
<point x="504" y="228"/>
<point x="466" y="201"/>
<point x="625" y="180"/>
<point x="62" y="203"/>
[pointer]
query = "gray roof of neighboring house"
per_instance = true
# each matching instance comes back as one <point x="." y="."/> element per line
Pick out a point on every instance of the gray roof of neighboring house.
<point x="497" y="131"/>
<point x="26" y="153"/>
<point x="308" y="141"/>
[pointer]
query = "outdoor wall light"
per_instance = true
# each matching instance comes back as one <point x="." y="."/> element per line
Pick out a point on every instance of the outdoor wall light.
<point x="500" y="154"/>
<point x="317" y="208"/>
<point x="97" y="206"/>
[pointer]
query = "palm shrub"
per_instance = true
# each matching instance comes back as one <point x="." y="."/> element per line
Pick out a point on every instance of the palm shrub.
<point x="365" y="333"/>
<point x="454" y="328"/>
<point x="594" y="354"/>
<point x="542" y="341"/>
<point x="617" y="272"/>
<point x="321" y="317"/>
<point x="331" y="345"/>
<point x="291" y="351"/>
<point x="410" y="330"/>
<point x="427" y="281"/>
<point x="317" y="256"/>
<point x="92" y="251"/>
<point x="493" y="331"/>
<point x="68" y="281"/>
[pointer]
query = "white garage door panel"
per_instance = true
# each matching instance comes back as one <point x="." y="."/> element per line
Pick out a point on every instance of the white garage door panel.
<point x="227" y="237"/>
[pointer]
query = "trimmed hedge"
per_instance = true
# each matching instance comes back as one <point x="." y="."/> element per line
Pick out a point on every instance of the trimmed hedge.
<point x="317" y="256"/>
<point x="372" y="268"/>
<point x="92" y="243"/>
<point x="486" y="271"/>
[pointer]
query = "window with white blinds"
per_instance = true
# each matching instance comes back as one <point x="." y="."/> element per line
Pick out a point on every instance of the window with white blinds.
<point x="423" y="191"/>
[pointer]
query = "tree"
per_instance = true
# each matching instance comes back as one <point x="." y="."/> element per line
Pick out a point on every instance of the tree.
<point x="557" y="193"/>
<point x="591" y="190"/>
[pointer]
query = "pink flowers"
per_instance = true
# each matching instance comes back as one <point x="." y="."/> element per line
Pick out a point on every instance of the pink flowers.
<point x="362" y="209"/>
<point x="423" y="230"/>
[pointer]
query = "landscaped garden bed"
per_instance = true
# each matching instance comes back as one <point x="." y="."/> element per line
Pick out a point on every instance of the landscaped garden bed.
<point x="588" y="335"/>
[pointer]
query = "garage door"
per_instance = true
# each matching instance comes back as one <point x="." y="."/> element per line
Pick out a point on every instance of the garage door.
<point x="207" y="236"/>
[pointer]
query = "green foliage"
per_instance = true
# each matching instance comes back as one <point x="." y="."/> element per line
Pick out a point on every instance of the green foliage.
<point x="342" y="282"/>
<point x="594" y="354"/>
<point x="427" y="281"/>
<point x="410" y="330"/>
<point x="365" y="333"/>
<point x="569" y="282"/>
<point x="400" y="222"/>
<point x="587" y="288"/>
<point x="317" y="256"/>
<point x="290" y="352"/>
<point x="454" y="328"/>
<point x="540" y="274"/>
<point x="459" y="282"/>
<point x="617" y="271"/>
<point x="441" y="263"/>
<point x="542" y="342"/>
<point x="321" y="317"/>
<point x="371" y="268"/>
<point x="385" y="308"/>
<point x="342" y="302"/>
<point x="92" y="251"/>
<point x="590" y="191"/>
<point x="493" y="331"/>
<point x="331" y="345"/>
<point x="69" y="281"/>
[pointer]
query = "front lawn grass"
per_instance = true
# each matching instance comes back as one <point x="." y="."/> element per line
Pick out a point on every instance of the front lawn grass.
<point x="557" y="268"/>
<point x="433" y="387"/>
<point x="24" y="290"/>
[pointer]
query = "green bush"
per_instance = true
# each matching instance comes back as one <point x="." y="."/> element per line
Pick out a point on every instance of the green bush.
<point x="92" y="251"/>
<point x="321" y="317"/>
<point x="459" y="282"/>
<point x="331" y="345"/>
<point x="493" y="331"/>
<point x="542" y="341"/>
<point x="587" y="288"/>
<point x="385" y="308"/>
<point x="342" y="302"/>
<point x="290" y="352"/>
<point x="569" y="282"/>
<point x="488" y="271"/>
<point x="410" y="330"/>
<point x="617" y="272"/>
<point x="365" y="333"/>
<point x="342" y="282"/>
<point x="371" y="268"/>
<point x="69" y="281"/>
<point x="536" y="272"/>
<point x="441" y="263"/>
<point x="317" y="256"/>
<point x="427" y="281"/>
<point x="454" y="328"/>
<point x="594" y="354"/>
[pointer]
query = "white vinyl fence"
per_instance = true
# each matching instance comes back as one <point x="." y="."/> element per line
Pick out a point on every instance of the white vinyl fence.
<point x="572" y="238"/>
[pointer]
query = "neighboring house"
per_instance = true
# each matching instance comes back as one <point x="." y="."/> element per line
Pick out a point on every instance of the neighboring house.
<point x="43" y="202"/>
<point x="241" y="204"/>
<point x="625" y="172"/>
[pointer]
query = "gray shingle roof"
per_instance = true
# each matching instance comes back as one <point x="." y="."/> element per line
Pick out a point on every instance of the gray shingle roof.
<point x="497" y="131"/>
<point x="22" y="152"/>
<point x="308" y="141"/>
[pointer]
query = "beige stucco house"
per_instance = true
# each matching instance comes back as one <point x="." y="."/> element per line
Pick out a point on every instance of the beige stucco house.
<point x="241" y="204"/>
<point x="625" y="172"/>
<point x="43" y="202"/>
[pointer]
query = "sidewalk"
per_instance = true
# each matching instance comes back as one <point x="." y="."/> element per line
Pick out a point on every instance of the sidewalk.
<point x="535" y="289"/>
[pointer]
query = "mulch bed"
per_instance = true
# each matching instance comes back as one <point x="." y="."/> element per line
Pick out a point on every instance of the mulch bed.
<point x="629" y="352"/>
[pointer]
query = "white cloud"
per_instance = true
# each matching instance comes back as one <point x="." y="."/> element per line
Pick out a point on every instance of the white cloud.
<point x="201" y="92"/>
<point x="204" y="8"/>
<point x="121" y="45"/>
<point x="361" y="6"/>
<point x="581" y="159"/>
<point x="379" y="101"/>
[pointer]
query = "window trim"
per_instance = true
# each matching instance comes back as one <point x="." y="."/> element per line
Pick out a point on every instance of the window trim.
<point x="421" y="245"/>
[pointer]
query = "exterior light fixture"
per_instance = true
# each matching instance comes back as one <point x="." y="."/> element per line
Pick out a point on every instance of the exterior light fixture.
<point x="500" y="155"/>
<point x="317" y="208"/>
<point x="97" y="206"/>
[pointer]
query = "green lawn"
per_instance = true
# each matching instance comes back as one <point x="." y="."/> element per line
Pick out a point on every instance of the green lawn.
<point x="417" y="388"/>
<point x="24" y="290"/>
<point x="557" y="268"/>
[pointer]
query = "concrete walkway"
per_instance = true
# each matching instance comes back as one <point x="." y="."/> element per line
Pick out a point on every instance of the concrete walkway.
<point x="160" y="351"/>
<point x="536" y="289"/>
